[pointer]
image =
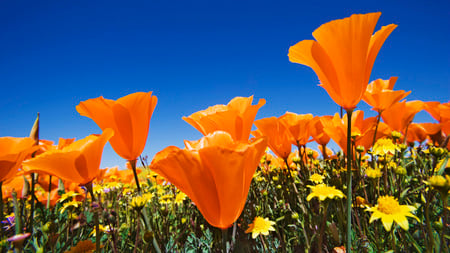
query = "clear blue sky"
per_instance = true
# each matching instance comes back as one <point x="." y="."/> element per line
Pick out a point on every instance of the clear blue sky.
<point x="194" y="54"/>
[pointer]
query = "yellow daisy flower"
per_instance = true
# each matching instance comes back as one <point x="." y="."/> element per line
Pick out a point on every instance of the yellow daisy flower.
<point x="389" y="210"/>
<point x="440" y="183"/>
<point x="323" y="191"/>
<point x="384" y="146"/>
<point x="67" y="195"/>
<point x="373" y="173"/>
<point x="316" y="178"/>
<point x="138" y="202"/>
<point x="261" y="226"/>
<point x="179" y="198"/>
<point x="72" y="203"/>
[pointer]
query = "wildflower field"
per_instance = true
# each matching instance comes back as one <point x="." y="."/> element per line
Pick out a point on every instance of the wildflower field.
<point x="248" y="185"/>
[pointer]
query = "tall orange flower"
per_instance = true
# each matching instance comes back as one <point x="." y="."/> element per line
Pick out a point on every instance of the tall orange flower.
<point x="278" y="135"/>
<point x="343" y="55"/>
<point x="129" y="117"/>
<point x="12" y="152"/>
<point x="401" y="114"/>
<point x="439" y="111"/>
<point x="316" y="129"/>
<point x="298" y="126"/>
<point x="380" y="96"/>
<point x="78" y="162"/>
<point x="215" y="172"/>
<point x="337" y="128"/>
<point x="235" y="118"/>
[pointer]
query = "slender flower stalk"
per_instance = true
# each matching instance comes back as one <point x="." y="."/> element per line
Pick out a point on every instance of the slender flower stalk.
<point x="349" y="180"/>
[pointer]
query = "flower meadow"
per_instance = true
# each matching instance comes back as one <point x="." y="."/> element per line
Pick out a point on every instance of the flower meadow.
<point x="247" y="185"/>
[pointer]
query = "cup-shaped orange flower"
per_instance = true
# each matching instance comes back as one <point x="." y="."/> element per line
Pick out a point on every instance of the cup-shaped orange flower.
<point x="401" y="114"/>
<point x="78" y="162"/>
<point x="215" y="172"/>
<point x="12" y="152"/>
<point x="278" y="136"/>
<point x="129" y="117"/>
<point x="337" y="128"/>
<point x="298" y="126"/>
<point x="343" y="55"/>
<point x="439" y="111"/>
<point x="316" y="129"/>
<point x="236" y="118"/>
<point x="380" y="96"/>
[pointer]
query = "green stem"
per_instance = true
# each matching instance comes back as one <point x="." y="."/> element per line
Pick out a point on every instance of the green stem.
<point x="33" y="198"/>
<point x="224" y="240"/>
<point x="144" y="211"/>
<point x="1" y="209"/>
<point x="133" y="167"/>
<point x="96" y="218"/>
<point x="322" y="227"/>
<point x="49" y="191"/>
<point x="349" y="180"/>
<point x="393" y="240"/>
<point x="444" y="222"/>
<point x="17" y="216"/>
<point x="376" y="129"/>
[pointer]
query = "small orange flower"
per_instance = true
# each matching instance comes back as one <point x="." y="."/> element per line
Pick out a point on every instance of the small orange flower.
<point x="235" y="118"/>
<point x="12" y="152"/>
<point x="316" y="129"/>
<point x="298" y="126"/>
<point x="337" y="129"/>
<point x="401" y="114"/>
<point x="79" y="162"/>
<point x="278" y="135"/>
<point x="439" y="111"/>
<point x="215" y="172"/>
<point x="380" y="96"/>
<point x="343" y="55"/>
<point x="129" y="117"/>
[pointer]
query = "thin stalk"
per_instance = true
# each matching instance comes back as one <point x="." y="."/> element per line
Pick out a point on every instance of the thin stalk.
<point x="17" y="216"/>
<point x="144" y="211"/>
<point x="444" y="222"/>
<point x="49" y="191"/>
<point x="349" y="180"/>
<point x="33" y="183"/>
<point x="376" y="129"/>
<point x="393" y="240"/>
<point x="96" y="218"/>
<point x="263" y="243"/>
<point x="322" y="227"/>
<point x="133" y="167"/>
<point x="1" y="208"/>
<point x="224" y="240"/>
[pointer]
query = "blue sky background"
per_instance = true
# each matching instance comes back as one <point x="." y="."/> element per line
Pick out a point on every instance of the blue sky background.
<point x="194" y="54"/>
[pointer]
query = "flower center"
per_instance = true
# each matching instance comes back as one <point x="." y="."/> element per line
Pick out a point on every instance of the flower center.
<point x="388" y="205"/>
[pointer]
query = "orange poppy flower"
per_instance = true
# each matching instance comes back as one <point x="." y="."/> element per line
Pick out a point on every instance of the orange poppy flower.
<point x="278" y="136"/>
<point x="298" y="126"/>
<point x="380" y="96"/>
<point x="12" y="152"/>
<point x="316" y="129"/>
<point x="337" y="128"/>
<point x="129" y="117"/>
<point x="235" y="118"/>
<point x="343" y="55"/>
<point x="215" y="172"/>
<point x="366" y="140"/>
<point x="329" y="152"/>
<point x="79" y="162"/>
<point x="401" y="114"/>
<point x="416" y="133"/>
<point x="439" y="111"/>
